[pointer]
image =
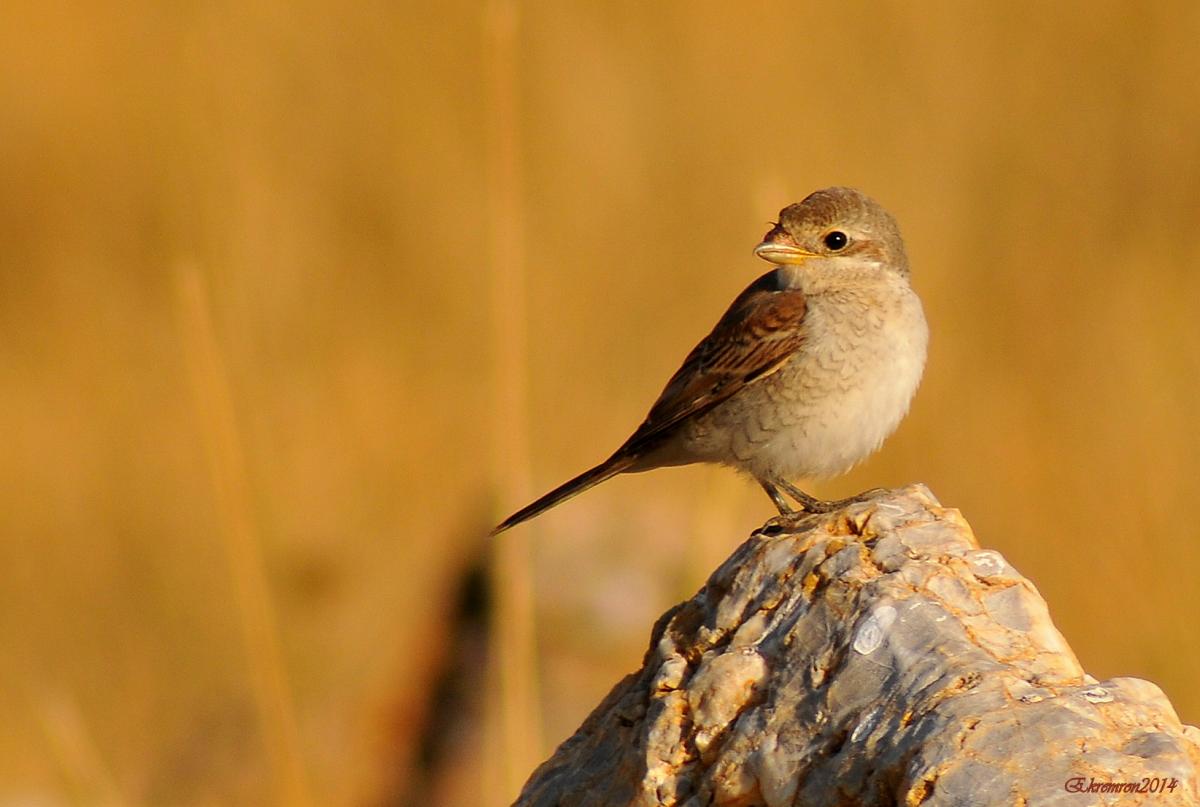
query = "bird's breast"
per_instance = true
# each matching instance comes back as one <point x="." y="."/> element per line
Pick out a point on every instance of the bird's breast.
<point x="835" y="401"/>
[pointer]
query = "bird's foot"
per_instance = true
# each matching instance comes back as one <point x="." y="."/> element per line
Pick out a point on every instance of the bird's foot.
<point x="784" y="523"/>
<point x="789" y="519"/>
<point x="812" y="504"/>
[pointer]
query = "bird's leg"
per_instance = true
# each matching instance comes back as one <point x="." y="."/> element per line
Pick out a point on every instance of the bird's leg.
<point x="785" y="509"/>
<point x="787" y="518"/>
<point x="810" y="503"/>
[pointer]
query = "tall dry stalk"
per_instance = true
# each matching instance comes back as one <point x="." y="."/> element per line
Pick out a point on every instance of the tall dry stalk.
<point x="231" y="489"/>
<point x="514" y="732"/>
<point x="84" y="772"/>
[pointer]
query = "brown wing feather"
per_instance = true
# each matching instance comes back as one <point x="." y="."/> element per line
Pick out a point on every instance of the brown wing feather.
<point x="758" y="333"/>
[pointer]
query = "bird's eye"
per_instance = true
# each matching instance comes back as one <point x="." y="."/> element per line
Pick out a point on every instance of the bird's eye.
<point x="836" y="240"/>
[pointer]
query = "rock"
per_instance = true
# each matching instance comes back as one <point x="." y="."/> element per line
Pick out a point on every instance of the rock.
<point x="872" y="656"/>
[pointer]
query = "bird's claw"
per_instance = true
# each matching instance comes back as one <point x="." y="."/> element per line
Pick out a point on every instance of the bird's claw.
<point x="783" y="524"/>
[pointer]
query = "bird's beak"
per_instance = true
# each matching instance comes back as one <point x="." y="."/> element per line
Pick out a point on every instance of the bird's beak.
<point x="782" y="253"/>
<point x="778" y="247"/>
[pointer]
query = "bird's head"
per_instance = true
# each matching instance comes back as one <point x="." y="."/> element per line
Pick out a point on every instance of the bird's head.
<point x="838" y="225"/>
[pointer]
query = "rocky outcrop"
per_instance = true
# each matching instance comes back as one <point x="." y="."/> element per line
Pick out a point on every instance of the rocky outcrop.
<point x="872" y="656"/>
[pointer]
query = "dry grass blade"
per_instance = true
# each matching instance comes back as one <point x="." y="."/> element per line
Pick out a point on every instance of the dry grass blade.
<point x="515" y="724"/>
<point x="215" y="406"/>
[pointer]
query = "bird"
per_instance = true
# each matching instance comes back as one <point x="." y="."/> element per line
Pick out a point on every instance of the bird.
<point x="805" y="375"/>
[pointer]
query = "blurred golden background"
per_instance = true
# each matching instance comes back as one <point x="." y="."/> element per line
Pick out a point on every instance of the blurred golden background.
<point x="299" y="298"/>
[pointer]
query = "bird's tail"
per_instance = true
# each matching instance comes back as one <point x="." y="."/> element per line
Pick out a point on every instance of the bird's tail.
<point x="605" y="470"/>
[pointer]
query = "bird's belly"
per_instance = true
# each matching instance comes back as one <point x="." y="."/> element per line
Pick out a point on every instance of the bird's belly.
<point x="825" y="410"/>
<point x="828" y="437"/>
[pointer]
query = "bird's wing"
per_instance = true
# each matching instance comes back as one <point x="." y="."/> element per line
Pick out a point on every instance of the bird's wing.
<point x="753" y="339"/>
